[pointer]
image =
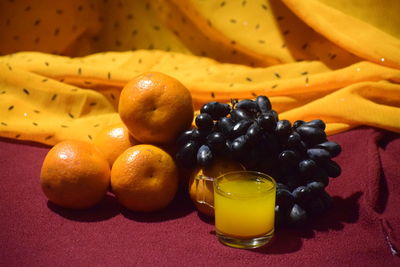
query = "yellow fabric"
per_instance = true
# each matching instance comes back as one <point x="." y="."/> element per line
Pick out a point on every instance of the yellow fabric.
<point x="335" y="60"/>
<point x="354" y="34"/>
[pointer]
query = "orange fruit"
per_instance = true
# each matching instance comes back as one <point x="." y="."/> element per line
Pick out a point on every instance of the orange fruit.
<point x="155" y="108"/>
<point x="144" y="178"/>
<point x="204" y="191"/>
<point x="75" y="174"/>
<point x="113" y="140"/>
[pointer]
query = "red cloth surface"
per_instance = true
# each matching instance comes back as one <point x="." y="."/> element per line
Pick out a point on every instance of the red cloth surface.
<point x="362" y="228"/>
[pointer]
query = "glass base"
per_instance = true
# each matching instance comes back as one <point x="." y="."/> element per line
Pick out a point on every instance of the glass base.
<point x="248" y="243"/>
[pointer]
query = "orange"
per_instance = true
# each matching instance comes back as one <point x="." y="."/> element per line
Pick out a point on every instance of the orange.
<point x="113" y="140"/>
<point x="155" y="108"/>
<point x="204" y="191"/>
<point x="75" y="174"/>
<point x="144" y="178"/>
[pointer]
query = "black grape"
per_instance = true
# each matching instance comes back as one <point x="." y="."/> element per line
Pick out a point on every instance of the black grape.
<point x="225" y="125"/>
<point x="302" y="194"/>
<point x="248" y="105"/>
<point x="283" y="128"/>
<point x="240" y="128"/>
<point x="189" y="135"/>
<point x="239" y="145"/>
<point x="311" y="135"/>
<point x="316" y="123"/>
<point x="274" y="113"/>
<point x="204" y="122"/>
<point x="297" y="123"/>
<point x="253" y="132"/>
<point x="284" y="199"/>
<point x="293" y="140"/>
<point x="332" y="168"/>
<point x="188" y="153"/>
<point x="204" y="156"/>
<point x="315" y="187"/>
<point x="216" y="141"/>
<point x="302" y="148"/>
<point x="288" y="158"/>
<point x="297" y="216"/>
<point x="307" y="167"/>
<point x="267" y="121"/>
<point x="332" y="147"/>
<point x="216" y="110"/>
<point x="281" y="186"/>
<point x="263" y="103"/>
<point x="318" y="154"/>
<point x="241" y="114"/>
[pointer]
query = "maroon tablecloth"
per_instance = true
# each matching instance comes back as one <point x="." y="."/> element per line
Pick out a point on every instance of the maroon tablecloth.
<point x="363" y="228"/>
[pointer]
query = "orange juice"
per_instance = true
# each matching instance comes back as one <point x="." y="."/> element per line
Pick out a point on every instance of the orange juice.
<point x="244" y="206"/>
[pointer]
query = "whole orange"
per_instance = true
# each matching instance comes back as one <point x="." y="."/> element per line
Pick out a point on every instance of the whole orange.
<point x="144" y="178"/>
<point x="201" y="191"/>
<point x="75" y="174"/>
<point x="113" y="140"/>
<point x="155" y="108"/>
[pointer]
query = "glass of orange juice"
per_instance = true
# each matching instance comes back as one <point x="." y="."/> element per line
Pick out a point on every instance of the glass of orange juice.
<point x="244" y="205"/>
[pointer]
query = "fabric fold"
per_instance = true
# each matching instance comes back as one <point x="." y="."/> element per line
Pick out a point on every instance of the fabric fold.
<point x="352" y="34"/>
<point x="75" y="96"/>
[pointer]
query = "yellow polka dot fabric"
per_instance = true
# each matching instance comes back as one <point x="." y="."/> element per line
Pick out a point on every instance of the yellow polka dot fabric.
<point x="64" y="63"/>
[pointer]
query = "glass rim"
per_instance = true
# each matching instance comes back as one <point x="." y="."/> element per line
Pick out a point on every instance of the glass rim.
<point x="257" y="174"/>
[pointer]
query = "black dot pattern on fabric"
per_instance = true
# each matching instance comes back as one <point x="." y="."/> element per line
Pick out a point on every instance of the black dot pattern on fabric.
<point x="154" y="28"/>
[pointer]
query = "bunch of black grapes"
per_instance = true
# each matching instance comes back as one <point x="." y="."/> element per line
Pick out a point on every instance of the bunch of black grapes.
<point x="297" y="155"/>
